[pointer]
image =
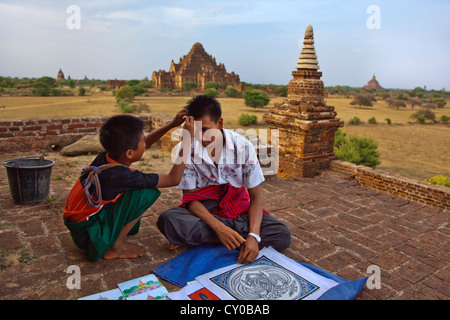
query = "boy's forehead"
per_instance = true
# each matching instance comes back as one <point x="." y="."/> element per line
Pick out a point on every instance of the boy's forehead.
<point x="206" y="121"/>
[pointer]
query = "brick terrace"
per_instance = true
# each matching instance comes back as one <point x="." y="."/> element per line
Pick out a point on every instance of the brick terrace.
<point x="336" y="224"/>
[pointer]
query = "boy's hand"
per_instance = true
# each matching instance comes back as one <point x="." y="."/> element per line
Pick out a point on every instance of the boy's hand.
<point x="179" y="118"/>
<point x="189" y="125"/>
<point x="249" y="251"/>
<point x="228" y="237"/>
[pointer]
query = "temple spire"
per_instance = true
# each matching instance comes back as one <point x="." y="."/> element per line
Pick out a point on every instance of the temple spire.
<point x="308" y="57"/>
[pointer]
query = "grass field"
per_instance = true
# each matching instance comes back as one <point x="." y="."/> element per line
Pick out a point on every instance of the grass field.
<point x="407" y="149"/>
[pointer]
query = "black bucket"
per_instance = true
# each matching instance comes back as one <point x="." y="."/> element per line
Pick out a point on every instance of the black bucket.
<point x="29" y="179"/>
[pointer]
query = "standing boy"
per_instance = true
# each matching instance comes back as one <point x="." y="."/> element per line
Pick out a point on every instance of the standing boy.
<point x="107" y="202"/>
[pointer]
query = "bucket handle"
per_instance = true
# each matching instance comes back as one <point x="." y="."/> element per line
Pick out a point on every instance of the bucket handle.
<point x="16" y="165"/>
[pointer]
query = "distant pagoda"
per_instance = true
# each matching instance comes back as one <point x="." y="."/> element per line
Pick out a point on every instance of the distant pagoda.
<point x="372" y="85"/>
<point x="197" y="66"/>
<point x="306" y="124"/>
<point x="60" y="75"/>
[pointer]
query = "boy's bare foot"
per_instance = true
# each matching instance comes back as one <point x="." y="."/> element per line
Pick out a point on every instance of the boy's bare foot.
<point x="125" y="251"/>
<point x="174" y="246"/>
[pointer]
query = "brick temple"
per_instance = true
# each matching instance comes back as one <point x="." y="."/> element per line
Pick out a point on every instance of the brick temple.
<point x="372" y="84"/>
<point x="60" y="75"/>
<point x="306" y="124"/>
<point x="197" y="66"/>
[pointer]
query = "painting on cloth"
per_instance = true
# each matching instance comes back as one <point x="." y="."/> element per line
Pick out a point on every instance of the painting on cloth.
<point x="272" y="276"/>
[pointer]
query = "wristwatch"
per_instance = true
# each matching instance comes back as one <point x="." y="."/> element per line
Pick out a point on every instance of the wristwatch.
<point x="254" y="235"/>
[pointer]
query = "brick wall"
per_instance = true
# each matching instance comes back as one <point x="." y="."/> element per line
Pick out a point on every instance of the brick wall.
<point x="413" y="190"/>
<point x="45" y="134"/>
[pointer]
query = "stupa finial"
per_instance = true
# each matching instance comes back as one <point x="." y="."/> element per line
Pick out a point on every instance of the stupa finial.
<point x="308" y="57"/>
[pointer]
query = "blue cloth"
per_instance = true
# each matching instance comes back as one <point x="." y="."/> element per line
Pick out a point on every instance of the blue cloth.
<point x="199" y="260"/>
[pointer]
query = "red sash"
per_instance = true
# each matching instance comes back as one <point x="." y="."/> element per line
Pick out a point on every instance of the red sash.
<point x="233" y="201"/>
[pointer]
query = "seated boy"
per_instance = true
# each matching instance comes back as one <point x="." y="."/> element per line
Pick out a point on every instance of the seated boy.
<point x="216" y="206"/>
<point x="108" y="200"/>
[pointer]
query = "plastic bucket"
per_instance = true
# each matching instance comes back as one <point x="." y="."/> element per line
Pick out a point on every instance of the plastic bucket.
<point x="29" y="179"/>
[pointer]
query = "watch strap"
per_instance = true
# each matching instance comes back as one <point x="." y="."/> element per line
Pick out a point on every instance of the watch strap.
<point x="254" y="235"/>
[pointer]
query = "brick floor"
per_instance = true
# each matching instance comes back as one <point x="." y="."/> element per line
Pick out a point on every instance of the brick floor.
<point x="336" y="224"/>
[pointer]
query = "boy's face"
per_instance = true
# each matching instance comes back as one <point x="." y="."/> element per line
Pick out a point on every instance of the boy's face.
<point x="139" y="151"/>
<point x="206" y="124"/>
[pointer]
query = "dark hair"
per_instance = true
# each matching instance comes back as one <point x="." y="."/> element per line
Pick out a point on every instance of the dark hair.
<point x="120" y="133"/>
<point x="203" y="105"/>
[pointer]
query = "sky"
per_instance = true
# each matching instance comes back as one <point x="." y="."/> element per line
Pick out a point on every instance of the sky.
<point x="405" y="43"/>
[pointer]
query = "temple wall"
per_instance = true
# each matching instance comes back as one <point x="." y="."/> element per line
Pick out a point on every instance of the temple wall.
<point x="413" y="190"/>
<point x="56" y="133"/>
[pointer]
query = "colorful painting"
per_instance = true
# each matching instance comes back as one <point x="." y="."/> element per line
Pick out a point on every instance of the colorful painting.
<point x="114" y="294"/>
<point x="193" y="291"/>
<point x="203" y="294"/>
<point x="145" y="288"/>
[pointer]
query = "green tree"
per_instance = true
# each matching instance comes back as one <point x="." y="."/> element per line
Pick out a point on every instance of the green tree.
<point x="211" y="92"/>
<point x="189" y="85"/>
<point x="138" y="90"/>
<point x="395" y="103"/>
<point x="246" y="119"/>
<point x="255" y="98"/>
<point x="41" y="88"/>
<point x="232" y="92"/>
<point x="71" y="84"/>
<point x="146" y="84"/>
<point x="283" y="91"/>
<point x="132" y="82"/>
<point x="51" y="82"/>
<point x="440" y="102"/>
<point x="424" y="114"/>
<point x="211" y="84"/>
<point x="81" y="91"/>
<point x="358" y="150"/>
<point x="126" y="92"/>
<point x="362" y="100"/>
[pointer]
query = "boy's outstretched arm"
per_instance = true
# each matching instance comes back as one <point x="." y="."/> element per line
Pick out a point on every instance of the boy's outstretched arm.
<point x="176" y="173"/>
<point x="155" y="135"/>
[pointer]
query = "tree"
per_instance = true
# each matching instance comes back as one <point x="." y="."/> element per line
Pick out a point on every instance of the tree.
<point x="126" y="92"/>
<point x="246" y="119"/>
<point x="138" y="90"/>
<point x="395" y="103"/>
<point x="81" y="91"/>
<point x="232" y="92"/>
<point x="211" y="92"/>
<point x="255" y="98"/>
<point x="51" y="82"/>
<point x="189" y="85"/>
<point x="145" y="84"/>
<point x="41" y="88"/>
<point x="440" y="102"/>
<point x="358" y="150"/>
<point x="424" y="113"/>
<point x="414" y="102"/>
<point x="132" y="82"/>
<point x="362" y="100"/>
<point x="211" y="84"/>
<point x="71" y="84"/>
<point x="283" y="91"/>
